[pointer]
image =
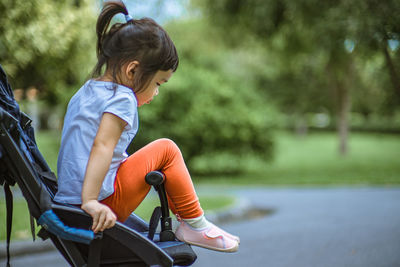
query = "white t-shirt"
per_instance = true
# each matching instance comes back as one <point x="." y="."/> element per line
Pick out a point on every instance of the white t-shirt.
<point x="81" y="123"/>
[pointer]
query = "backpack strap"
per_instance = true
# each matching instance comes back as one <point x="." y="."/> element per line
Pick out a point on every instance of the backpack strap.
<point x="9" y="207"/>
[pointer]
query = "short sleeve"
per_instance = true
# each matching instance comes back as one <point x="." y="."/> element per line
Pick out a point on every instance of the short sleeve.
<point x="122" y="105"/>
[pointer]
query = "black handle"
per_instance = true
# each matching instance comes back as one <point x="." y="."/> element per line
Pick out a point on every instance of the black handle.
<point x="154" y="178"/>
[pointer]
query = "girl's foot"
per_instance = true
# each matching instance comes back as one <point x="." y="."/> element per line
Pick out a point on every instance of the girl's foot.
<point x="211" y="237"/>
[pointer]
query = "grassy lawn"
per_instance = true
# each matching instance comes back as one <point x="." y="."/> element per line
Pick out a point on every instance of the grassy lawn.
<point x="373" y="159"/>
<point x="49" y="144"/>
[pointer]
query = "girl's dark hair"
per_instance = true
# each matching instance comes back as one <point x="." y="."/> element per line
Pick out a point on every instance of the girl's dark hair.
<point x="142" y="40"/>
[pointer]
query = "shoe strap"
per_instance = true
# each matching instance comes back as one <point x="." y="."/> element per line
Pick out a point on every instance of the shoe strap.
<point x="214" y="232"/>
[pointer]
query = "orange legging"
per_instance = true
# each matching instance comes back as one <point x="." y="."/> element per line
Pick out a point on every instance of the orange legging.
<point x="131" y="187"/>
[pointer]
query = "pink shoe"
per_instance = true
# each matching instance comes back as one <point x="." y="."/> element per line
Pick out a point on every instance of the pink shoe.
<point x="211" y="237"/>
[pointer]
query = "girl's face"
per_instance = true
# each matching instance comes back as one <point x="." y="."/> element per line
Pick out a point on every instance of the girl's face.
<point x="147" y="95"/>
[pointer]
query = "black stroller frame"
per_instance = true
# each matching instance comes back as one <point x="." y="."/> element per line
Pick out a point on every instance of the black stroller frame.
<point x="131" y="243"/>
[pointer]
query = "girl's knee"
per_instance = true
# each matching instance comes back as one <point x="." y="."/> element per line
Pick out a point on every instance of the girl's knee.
<point x="168" y="145"/>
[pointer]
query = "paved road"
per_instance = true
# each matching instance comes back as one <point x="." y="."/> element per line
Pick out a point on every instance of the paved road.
<point x="310" y="227"/>
<point x="317" y="227"/>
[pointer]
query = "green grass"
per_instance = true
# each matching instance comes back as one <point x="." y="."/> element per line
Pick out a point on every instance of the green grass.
<point x="20" y="223"/>
<point x="373" y="159"/>
<point x="49" y="144"/>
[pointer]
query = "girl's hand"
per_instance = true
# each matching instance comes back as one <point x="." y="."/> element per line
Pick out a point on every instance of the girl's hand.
<point x="103" y="216"/>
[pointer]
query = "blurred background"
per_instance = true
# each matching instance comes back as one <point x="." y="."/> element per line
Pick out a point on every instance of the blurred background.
<point x="271" y="92"/>
<point x="292" y="105"/>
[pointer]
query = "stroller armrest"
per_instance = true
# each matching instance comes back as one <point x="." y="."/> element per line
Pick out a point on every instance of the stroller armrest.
<point x="120" y="236"/>
<point x="50" y="221"/>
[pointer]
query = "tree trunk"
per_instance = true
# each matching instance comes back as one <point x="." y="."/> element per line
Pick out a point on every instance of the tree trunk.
<point x="301" y="125"/>
<point x="341" y="87"/>
<point x="344" y="106"/>
<point x="392" y="71"/>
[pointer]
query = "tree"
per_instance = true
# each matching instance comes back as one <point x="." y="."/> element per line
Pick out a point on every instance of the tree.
<point x="316" y="27"/>
<point x="47" y="44"/>
<point x="211" y="107"/>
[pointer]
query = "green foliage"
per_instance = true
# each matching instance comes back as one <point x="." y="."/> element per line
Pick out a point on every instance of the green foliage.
<point x="47" y="44"/>
<point x="211" y="108"/>
<point x="320" y="47"/>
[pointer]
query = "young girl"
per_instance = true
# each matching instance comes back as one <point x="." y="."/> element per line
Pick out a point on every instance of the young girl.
<point x="102" y="119"/>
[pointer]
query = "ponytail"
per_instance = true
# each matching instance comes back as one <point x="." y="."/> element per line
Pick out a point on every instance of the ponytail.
<point x="110" y="9"/>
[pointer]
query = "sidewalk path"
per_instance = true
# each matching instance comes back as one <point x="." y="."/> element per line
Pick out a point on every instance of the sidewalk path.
<point x="316" y="227"/>
<point x="309" y="227"/>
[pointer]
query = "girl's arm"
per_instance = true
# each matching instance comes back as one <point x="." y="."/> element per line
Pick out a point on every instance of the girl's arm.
<point x="107" y="137"/>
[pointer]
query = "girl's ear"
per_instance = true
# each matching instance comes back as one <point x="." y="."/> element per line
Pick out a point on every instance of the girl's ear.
<point x="130" y="69"/>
